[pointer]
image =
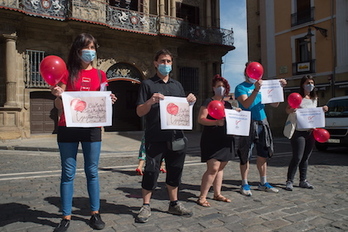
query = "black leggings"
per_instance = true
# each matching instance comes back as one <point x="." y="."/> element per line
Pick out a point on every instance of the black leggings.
<point x="302" y="143"/>
<point x="155" y="152"/>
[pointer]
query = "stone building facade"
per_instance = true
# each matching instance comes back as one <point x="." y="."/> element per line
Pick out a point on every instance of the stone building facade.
<point x="293" y="38"/>
<point x="129" y="32"/>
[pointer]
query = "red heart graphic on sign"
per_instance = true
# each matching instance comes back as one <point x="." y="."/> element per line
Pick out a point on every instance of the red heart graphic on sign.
<point x="172" y="109"/>
<point x="78" y="105"/>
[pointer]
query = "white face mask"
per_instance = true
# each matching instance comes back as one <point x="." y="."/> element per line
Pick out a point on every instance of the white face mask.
<point x="219" y="91"/>
<point x="252" y="80"/>
<point x="309" y="87"/>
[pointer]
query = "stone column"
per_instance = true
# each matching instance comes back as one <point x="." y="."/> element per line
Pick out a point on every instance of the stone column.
<point x="11" y="77"/>
<point x="161" y="8"/>
<point x="208" y="12"/>
<point x="217" y="13"/>
<point x="208" y="76"/>
<point x="172" y="8"/>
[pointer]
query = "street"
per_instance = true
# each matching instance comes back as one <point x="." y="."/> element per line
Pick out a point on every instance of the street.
<point x="29" y="195"/>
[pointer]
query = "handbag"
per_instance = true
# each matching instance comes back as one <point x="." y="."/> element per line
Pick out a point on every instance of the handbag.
<point x="178" y="142"/>
<point x="290" y="125"/>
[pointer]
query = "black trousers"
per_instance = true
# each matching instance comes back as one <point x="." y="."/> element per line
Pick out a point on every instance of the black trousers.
<point x="302" y="143"/>
<point x="155" y="152"/>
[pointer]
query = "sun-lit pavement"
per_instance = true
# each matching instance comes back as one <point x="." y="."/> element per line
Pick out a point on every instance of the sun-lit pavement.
<point x="29" y="193"/>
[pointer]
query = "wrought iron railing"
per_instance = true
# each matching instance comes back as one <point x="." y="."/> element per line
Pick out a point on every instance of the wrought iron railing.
<point x="120" y="18"/>
<point x="179" y="28"/>
<point x="99" y="12"/>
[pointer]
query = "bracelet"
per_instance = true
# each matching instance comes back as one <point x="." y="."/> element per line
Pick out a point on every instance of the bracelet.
<point x="256" y="91"/>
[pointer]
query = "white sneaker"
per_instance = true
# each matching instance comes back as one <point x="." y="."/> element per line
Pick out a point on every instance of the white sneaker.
<point x="245" y="190"/>
<point x="267" y="188"/>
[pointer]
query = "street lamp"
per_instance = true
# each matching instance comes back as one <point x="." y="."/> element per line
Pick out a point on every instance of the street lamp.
<point x="322" y="31"/>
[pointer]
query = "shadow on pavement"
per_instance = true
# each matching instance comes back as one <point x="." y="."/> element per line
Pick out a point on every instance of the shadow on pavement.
<point x="82" y="205"/>
<point x="16" y="212"/>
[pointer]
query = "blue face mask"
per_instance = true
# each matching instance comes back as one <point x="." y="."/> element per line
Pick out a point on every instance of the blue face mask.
<point x="88" y="55"/>
<point x="164" y="69"/>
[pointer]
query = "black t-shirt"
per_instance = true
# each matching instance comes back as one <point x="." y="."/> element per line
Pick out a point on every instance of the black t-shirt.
<point x="153" y="132"/>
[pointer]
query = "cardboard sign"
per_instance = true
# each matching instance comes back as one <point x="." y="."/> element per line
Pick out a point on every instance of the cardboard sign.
<point x="87" y="108"/>
<point x="308" y="118"/>
<point x="175" y="113"/>
<point x="238" y="123"/>
<point x="271" y="92"/>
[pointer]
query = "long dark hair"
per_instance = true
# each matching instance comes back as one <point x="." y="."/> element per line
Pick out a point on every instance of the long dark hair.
<point x="313" y="93"/>
<point x="217" y="78"/>
<point x="74" y="64"/>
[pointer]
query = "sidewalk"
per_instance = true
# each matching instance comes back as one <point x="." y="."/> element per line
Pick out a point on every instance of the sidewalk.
<point x="112" y="142"/>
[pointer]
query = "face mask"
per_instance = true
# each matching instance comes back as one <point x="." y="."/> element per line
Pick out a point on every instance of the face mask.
<point x="164" y="69"/>
<point x="88" y="55"/>
<point x="252" y="80"/>
<point x="219" y="91"/>
<point x="309" y="87"/>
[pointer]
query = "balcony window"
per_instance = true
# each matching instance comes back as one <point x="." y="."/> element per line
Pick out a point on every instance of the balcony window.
<point x="188" y="77"/>
<point x="303" y="13"/>
<point x="187" y="13"/>
<point x="33" y="76"/>
<point x="136" y="5"/>
<point x="304" y="62"/>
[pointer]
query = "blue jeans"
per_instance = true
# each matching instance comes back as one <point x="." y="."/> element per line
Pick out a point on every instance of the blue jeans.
<point x="68" y="153"/>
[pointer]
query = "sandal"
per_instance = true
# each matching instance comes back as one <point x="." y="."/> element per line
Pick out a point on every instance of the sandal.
<point x="139" y="172"/>
<point x="202" y="202"/>
<point x="221" y="198"/>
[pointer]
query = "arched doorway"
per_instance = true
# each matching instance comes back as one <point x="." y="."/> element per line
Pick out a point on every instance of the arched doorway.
<point x="124" y="81"/>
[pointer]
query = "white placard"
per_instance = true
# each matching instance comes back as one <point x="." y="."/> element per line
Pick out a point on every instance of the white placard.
<point x="87" y="108"/>
<point x="238" y="123"/>
<point x="271" y="91"/>
<point x="310" y="118"/>
<point x="175" y="113"/>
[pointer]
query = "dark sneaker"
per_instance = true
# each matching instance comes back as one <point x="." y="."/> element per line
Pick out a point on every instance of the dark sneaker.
<point x="144" y="214"/>
<point x="288" y="185"/>
<point x="306" y="184"/>
<point x="180" y="210"/>
<point x="62" y="226"/>
<point x="96" y="222"/>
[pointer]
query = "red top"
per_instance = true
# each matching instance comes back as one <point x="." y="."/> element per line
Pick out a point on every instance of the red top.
<point x="88" y="80"/>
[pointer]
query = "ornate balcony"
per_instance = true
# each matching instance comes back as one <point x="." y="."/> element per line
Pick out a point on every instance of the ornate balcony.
<point x="98" y="12"/>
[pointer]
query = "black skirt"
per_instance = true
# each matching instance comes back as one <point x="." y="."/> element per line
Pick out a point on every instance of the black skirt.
<point x="78" y="134"/>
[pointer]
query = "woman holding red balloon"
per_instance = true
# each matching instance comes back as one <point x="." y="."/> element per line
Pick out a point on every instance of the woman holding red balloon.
<point x="249" y="98"/>
<point x="80" y="76"/>
<point x="302" y="141"/>
<point x="216" y="145"/>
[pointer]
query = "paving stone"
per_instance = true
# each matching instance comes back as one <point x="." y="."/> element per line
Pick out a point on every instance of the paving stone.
<point x="29" y="194"/>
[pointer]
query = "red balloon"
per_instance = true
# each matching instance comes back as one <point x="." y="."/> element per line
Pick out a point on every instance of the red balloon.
<point x="216" y="109"/>
<point x="321" y="135"/>
<point x="254" y="70"/>
<point x="52" y="69"/>
<point x="294" y="100"/>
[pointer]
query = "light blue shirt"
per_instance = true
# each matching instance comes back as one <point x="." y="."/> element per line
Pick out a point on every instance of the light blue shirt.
<point x="257" y="109"/>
